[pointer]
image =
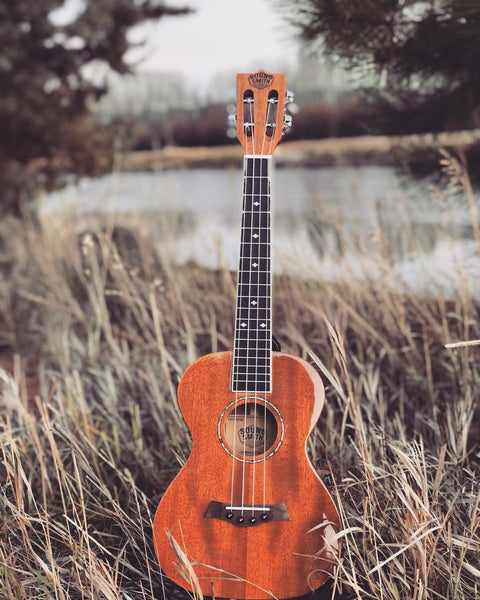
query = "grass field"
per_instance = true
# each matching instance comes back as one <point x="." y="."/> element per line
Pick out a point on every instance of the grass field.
<point x="96" y="332"/>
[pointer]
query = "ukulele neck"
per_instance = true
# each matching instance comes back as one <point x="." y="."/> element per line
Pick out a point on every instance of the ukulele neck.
<point x="252" y="355"/>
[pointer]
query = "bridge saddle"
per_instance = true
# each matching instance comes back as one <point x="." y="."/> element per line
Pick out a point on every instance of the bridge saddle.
<point x="246" y="516"/>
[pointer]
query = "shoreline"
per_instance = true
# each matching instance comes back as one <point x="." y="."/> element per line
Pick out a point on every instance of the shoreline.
<point x="360" y="150"/>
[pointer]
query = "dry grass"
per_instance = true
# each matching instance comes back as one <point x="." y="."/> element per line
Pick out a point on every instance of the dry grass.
<point x="95" y="335"/>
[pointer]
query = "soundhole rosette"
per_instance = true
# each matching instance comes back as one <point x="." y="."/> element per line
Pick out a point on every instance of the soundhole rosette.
<point x="251" y="429"/>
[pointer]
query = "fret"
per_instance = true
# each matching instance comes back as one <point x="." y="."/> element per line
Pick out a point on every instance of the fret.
<point x="245" y="297"/>
<point x="255" y="238"/>
<point x="256" y="186"/>
<point x="251" y="305"/>
<point x="258" y="326"/>
<point x="265" y="296"/>
<point x="245" y="315"/>
<point x="251" y="209"/>
<point x="249" y="375"/>
<point x="249" y="359"/>
<point x="256" y="273"/>
<point x="252" y="378"/>
<point x="244" y="353"/>
<point x="244" y="376"/>
<point x="263" y="288"/>
<point x="255" y="220"/>
<point x="259" y="263"/>
<point x="252" y="312"/>
<point x="252" y="375"/>
<point x="256" y="202"/>
<point x="254" y="387"/>
<point x="252" y="280"/>
<point x="254" y="277"/>
<point x="262" y="345"/>
<point x="243" y="361"/>
<point x="254" y="270"/>
<point x="258" y="383"/>
<point x="243" y="276"/>
<point x="259" y="303"/>
<point x="255" y="261"/>
<point x="246" y="278"/>
<point x="251" y="362"/>
<point x="263" y="245"/>
<point x="252" y="319"/>
<point x="252" y="335"/>
<point x="256" y="167"/>
<point x="253" y="370"/>
<point x="254" y="251"/>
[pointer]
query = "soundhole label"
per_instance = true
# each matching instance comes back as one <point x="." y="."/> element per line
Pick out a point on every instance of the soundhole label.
<point x="251" y="429"/>
<point x="252" y="436"/>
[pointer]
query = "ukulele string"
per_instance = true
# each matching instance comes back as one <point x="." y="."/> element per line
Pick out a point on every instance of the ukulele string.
<point x="249" y="131"/>
<point x="237" y="350"/>
<point x="241" y="288"/>
<point x="267" y="312"/>
<point x="247" y="370"/>
<point x="263" y="208"/>
<point x="255" y="191"/>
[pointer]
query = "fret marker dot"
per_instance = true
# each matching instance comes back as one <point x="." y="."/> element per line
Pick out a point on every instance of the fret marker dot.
<point x="253" y="302"/>
<point x="255" y="235"/>
<point x="263" y="325"/>
<point x="244" y="324"/>
<point x="255" y="265"/>
<point x="256" y="203"/>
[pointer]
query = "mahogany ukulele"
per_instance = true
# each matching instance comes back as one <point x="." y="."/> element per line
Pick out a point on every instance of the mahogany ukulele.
<point x="247" y="517"/>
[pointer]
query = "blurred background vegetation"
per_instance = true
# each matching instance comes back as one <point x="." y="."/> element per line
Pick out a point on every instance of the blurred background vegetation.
<point x="70" y="99"/>
<point x="47" y="80"/>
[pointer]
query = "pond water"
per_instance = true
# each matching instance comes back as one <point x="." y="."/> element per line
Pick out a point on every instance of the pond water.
<point x="366" y="222"/>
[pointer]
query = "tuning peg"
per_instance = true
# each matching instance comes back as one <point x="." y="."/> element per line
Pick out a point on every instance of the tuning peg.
<point x="289" y="97"/>
<point x="287" y="122"/>
<point x="232" y="120"/>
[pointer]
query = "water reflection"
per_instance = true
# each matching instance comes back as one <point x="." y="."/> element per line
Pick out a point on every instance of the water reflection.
<point x="327" y="222"/>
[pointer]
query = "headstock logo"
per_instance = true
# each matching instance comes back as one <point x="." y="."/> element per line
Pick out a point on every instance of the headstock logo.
<point x="260" y="80"/>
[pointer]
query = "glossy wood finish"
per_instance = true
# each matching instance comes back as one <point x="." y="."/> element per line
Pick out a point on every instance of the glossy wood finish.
<point x="279" y="559"/>
<point x="261" y="85"/>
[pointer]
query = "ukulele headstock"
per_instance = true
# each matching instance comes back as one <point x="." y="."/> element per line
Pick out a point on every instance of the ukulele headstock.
<point x="261" y="118"/>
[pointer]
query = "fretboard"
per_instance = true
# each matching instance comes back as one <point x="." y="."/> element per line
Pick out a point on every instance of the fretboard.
<point x="251" y="369"/>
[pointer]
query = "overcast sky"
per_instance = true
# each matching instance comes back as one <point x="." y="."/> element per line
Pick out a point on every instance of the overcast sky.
<point x="221" y="36"/>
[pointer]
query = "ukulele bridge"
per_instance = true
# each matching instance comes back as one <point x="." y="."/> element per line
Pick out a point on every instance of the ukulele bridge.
<point x="247" y="516"/>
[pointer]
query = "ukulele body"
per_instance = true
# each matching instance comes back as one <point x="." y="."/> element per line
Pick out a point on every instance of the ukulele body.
<point x="292" y="549"/>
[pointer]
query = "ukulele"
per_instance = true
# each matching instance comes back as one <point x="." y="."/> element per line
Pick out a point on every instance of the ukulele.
<point x="247" y="517"/>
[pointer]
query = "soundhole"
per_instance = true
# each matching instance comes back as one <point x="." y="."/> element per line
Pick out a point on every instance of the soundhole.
<point x="251" y="430"/>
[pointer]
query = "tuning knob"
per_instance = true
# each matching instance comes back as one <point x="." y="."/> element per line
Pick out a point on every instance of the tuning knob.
<point x="232" y="120"/>
<point x="287" y="122"/>
<point x="289" y="97"/>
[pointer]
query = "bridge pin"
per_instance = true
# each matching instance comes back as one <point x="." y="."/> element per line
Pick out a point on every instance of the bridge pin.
<point x="240" y="519"/>
<point x="252" y="520"/>
<point x="229" y="515"/>
<point x="264" y="516"/>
